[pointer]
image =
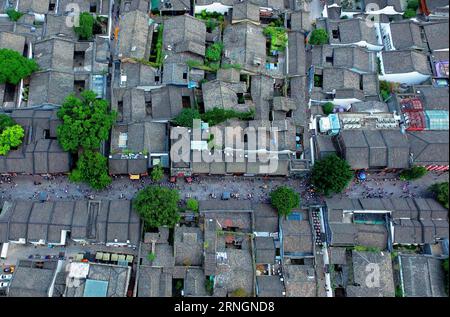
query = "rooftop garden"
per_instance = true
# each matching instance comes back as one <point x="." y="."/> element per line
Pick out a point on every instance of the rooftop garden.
<point x="213" y="56"/>
<point x="212" y="117"/>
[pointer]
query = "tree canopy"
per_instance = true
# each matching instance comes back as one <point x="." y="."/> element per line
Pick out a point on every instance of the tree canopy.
<point x="14" y="66"/>
<point x="85" y="30"/>
<point x="331" y="174"/>
<point x="86" y="122"/>
<point x="278" y="37"/>
<point x="318" y="37"/>
<point x="5" y="122"/>
<point x="440" y="190"/>
<point x="284" y="199"/>
<point x="328" y="108"/>
<point x="11" y="137"/>
<point x="92" y="168"/>
<point x="157" y="206"/>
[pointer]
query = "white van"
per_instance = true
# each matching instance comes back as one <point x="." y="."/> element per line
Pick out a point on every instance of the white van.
<point x="4" y="250"/>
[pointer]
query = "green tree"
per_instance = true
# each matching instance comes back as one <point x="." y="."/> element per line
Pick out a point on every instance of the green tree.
<point x="157" y="173"/>
<point x="157" y="206"/>
<point x="440" y="191"/>
<point x="409" y="13"/>
<point x="14" y="67"/>
<point x="278" y="37"/>
<point x="13" y="14"/>
<point x="415" y="172"/>
<point x="86" y="122"/>
<point x="5" y="122"/>
<point x="331" y="174"/>
<point x="85" y="30"/>
<point x="192" y="204"/>
<point x="284" y="199"/>
<point x="11" y="137"/>
<point x="92" y="168"/>
<point x="318" y="37"/>
<point x="214" y="52"/>
<point x="413" y="4"/>
<point x="328" y="108"/>
<point x="186" y="117"/>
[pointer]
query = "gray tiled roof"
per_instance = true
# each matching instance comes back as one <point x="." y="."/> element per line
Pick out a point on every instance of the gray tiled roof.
<point x="244" y="43"/>
<point x="375" y="148"/>
<point x="245" y="10"/>
<point x="405" y="61"/>
<point x="36" y="221"/>
<point x="37" y="155"/>
<point x="437" y="35"/>
<point x="407" y="35"/>
<point x="30" y="281"/>
<point x="429" y="147"/>
<point x="422" y="276"/>
<point x="352" y="31"/>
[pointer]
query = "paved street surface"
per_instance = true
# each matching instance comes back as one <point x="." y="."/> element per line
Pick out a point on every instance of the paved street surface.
<point x="391" y="186"/>
<point x="256" y="189"/>
<point x="59" y="188"/>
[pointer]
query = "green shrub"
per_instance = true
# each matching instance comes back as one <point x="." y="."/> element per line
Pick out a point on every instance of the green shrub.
<point x="11" y="137"/>
<point x="157" y="173"/>
<point x="192" y="204"/>
<point x="218" y="115"/>
<point x="385" y="89"/>
<point x="186" y="117"/>
<point x="14" y="15"/>
<point x="214" y="52"/>
<point x="151" y="256"/>
<point x="415" y="172"/>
